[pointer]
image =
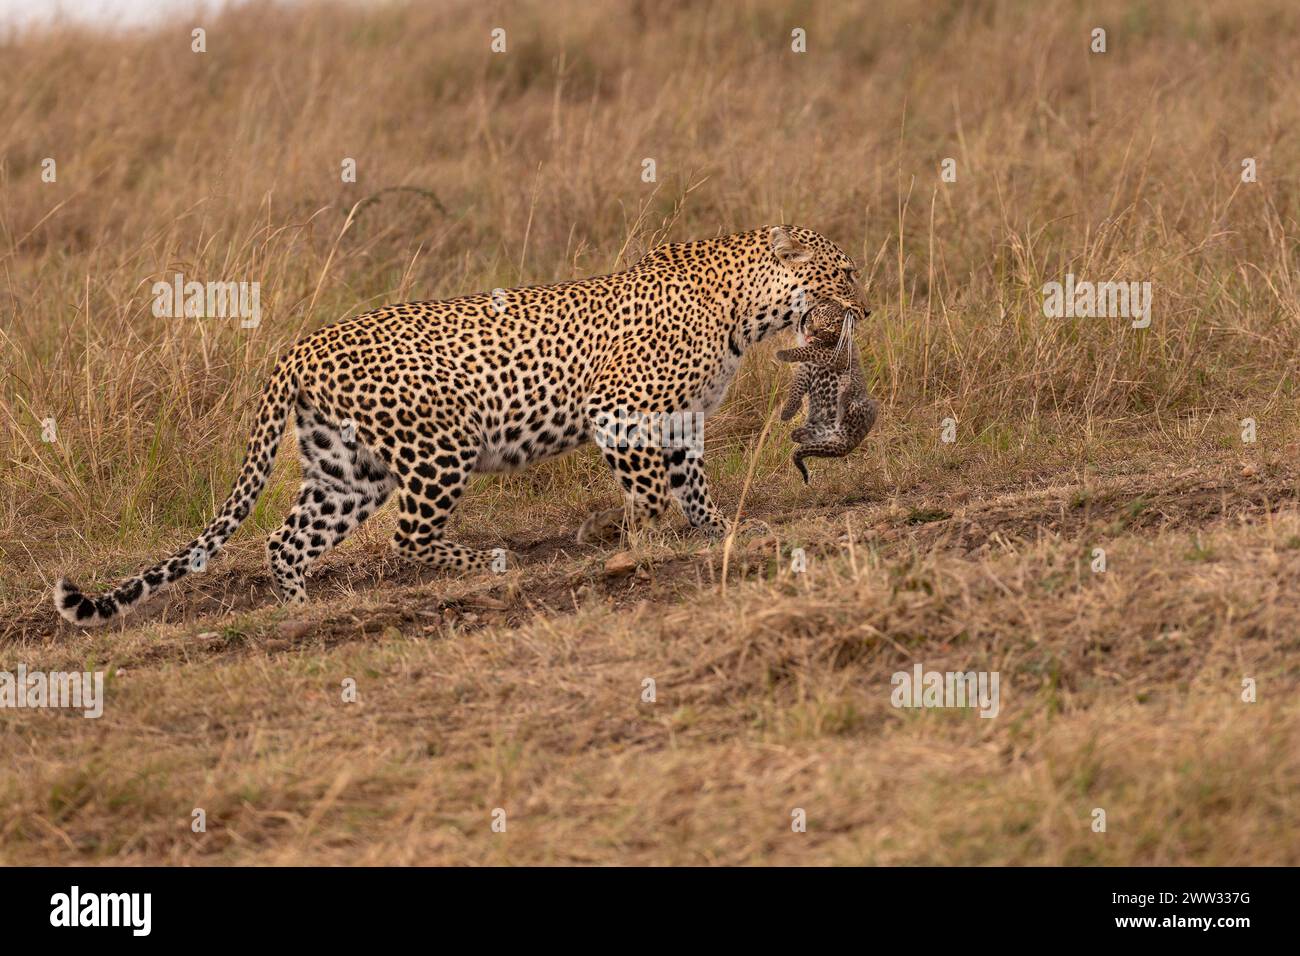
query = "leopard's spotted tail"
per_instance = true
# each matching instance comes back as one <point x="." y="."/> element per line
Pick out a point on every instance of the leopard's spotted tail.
<point x="277" y="399"/>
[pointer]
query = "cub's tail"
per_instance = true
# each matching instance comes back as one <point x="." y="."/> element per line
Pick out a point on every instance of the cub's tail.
<point x="277" y="400"/>
<point x="798" y="458"/>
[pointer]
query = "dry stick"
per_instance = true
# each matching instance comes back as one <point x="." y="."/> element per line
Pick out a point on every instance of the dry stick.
<point x="929" y="305"/>
<point x="330" y="258"/>
<point x="636" y="224"/>
<point x="744" y="491"/>
<point x="853" y="554"/>
<point x="404" y="285"/>
<point x="528" y="228"/>
<point x="324" y="803"/>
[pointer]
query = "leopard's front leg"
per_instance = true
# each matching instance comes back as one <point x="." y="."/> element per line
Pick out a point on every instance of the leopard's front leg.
<point x="637" y="464"/>
<point x="691" y="489"/>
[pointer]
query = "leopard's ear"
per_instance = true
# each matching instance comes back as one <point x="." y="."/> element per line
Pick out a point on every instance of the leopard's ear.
<point x="787" y="249"/>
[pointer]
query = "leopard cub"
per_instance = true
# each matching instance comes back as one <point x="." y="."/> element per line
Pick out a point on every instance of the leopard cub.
<point x="840" y="412"/>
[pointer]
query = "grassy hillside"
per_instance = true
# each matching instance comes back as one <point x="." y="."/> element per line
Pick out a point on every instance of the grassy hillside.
<point x="1121" y="690"/>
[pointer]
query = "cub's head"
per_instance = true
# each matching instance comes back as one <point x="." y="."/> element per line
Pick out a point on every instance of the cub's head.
<point x="823" y="323"/>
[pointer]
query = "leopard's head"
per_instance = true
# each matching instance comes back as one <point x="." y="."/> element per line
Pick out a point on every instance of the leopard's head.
<point x="808" y="272"/>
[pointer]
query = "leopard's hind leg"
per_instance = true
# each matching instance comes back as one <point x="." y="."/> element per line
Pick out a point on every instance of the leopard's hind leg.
<point x="343" y="483"/>
<point x="432" y="482"/>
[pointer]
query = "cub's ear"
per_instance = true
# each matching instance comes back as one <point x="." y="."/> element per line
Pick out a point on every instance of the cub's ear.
<point x="786" y="248"/>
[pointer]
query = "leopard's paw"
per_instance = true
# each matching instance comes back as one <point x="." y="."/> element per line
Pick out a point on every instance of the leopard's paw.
<point x="601" y="526"/>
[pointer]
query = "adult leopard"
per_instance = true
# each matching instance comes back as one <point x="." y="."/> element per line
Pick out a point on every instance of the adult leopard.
<point x="415" y="398"/>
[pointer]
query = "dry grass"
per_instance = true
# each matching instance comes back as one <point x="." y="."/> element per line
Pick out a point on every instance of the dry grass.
<point x="1120" y="691"/>
<point x="479" y="170"/>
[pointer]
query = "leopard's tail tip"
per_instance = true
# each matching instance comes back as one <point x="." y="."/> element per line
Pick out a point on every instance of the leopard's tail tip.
<point x="75" y="607"/>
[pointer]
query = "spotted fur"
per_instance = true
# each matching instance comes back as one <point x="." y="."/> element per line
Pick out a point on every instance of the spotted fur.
<point x="822" y="326"/>
<point x="840" y="412"/>
<point x="411" y="400"/>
